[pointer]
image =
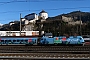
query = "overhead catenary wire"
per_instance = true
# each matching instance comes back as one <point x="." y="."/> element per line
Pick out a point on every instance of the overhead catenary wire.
<point x="16" y="1"/>
<point x="37" y="1"/>
<point x="44" y="9"/>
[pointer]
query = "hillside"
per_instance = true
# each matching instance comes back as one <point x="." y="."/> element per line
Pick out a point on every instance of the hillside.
<point x="76" y="15"/>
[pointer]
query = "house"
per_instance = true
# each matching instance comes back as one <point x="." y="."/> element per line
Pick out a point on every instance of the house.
<point x="32" y="16"/>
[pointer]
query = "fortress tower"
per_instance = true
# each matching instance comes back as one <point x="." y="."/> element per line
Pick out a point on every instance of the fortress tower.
<point x="43" y="14"/>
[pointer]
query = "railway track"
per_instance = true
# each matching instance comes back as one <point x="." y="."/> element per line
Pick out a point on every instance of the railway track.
<point x="44" y="56"/>
<point x="56" y="48"/>
<point x="67" y="52"/>
<point x="46" y="49"/>
<point x="44" y="52"/>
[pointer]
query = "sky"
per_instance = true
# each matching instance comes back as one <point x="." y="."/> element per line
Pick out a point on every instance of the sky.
<point x="10" y="9"/>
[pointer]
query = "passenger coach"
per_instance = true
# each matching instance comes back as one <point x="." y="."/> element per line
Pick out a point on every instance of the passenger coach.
<point x="9" y="40"/>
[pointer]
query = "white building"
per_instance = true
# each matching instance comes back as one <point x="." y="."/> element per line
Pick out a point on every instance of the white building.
<point x="26" y="22"/>
<point x="43" y="14"/>
<point x="31" y="16"/>
<point x="32" y="21"/>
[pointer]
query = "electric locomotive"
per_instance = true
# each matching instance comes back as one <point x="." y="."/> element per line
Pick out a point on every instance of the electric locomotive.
<point x="78" y="40"/>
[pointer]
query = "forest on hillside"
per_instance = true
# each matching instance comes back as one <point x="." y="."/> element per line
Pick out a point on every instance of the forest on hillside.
<point x="59" y="28"/>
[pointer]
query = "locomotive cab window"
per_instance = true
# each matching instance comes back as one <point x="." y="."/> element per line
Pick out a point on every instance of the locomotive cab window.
<point x="80" y="38"/>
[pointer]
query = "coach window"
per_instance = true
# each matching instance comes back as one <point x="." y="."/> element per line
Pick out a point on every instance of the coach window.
<point x="14" y="40"/>
<point x="21" y="40"/>
<point x="9" y="40"/>
<point x="6" y="40"/>
<point x="2" y="40"/>
<point x="17" y="40"/>
<point x="26" y="40"/>
<point x="35" y="41"/>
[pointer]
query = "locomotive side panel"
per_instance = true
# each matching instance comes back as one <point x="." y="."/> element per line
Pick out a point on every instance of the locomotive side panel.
<point x="57" y="40"/>
<point x="75" y="40"/>
<point x="46" y="40"/>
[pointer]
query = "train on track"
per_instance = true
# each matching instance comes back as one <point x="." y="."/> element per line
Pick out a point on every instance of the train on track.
<point x="44" y="40"/>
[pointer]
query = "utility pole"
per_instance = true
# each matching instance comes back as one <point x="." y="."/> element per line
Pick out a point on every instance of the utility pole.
<point x="20" y="24"/>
